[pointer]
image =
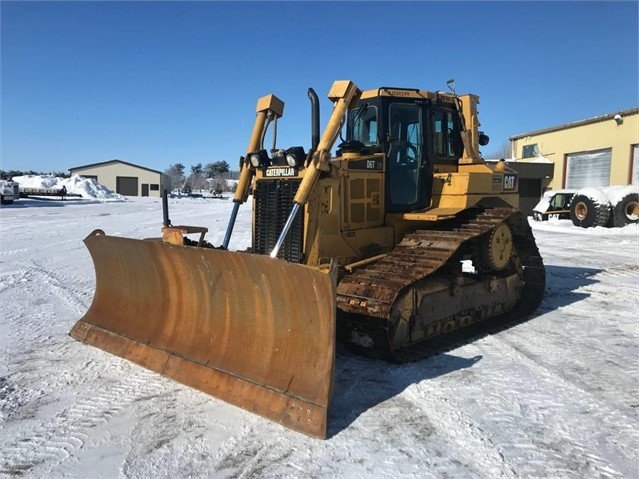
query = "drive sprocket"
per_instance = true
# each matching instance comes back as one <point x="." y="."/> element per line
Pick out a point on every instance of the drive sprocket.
<point x="494" y="251"/>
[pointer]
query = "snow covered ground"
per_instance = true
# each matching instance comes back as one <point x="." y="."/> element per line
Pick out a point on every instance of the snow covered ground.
<point x="553" y="397"/>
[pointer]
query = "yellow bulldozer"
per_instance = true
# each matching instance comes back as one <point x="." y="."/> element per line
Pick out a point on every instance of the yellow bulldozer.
<point x="372" y="245"/>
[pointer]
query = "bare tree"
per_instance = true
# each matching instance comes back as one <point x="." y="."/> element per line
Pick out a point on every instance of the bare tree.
<point x="501" y="152"/>
<point x="175" y="173"/>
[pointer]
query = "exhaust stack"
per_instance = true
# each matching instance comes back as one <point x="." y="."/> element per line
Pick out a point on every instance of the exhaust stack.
<point x="315" y="119"/>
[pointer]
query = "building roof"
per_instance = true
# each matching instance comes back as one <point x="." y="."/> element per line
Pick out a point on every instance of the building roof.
<point x="103" y="163"/>
<point x="533" y="170"/>
<point x="596" y="119"/>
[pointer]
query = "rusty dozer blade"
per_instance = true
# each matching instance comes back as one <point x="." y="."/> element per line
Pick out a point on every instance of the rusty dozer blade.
<point x="253" y="331"/>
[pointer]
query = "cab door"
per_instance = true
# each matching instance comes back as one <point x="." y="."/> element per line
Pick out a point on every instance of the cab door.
<point x="408" y="176"/>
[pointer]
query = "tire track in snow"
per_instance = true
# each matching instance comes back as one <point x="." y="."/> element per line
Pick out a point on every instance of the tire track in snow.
<point x="53" y="440"/>
<point x="49" y="443"/>
<point x="416" y="428"/>
<point x="611" y="289"/>
<point x="543" y="425"/>
<point x="545" y="371"/>
<point x="200" y="419"/>
<point x="32" y="250"/>
<point x="250" y="454"/>
<point x="35" y="323"/>
<point x="454" y="426"/>
<point x="14" y="251"/>
<point x="32" y="274"/>
<point x="75" y="299"/>
<point x="590" y="373"/>
<point x="244" y="456"/>
<point x="629" y="270"/>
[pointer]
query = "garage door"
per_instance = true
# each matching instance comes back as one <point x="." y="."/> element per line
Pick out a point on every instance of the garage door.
<point x="588" y="169"/>
<point x="635" y="165"/>
<point x="126" y="185"/>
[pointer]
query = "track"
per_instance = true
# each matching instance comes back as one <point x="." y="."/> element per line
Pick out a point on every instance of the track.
<point x="369" y="295"/>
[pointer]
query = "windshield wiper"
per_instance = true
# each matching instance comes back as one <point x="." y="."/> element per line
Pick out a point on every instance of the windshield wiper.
<point x="359" y="113"/>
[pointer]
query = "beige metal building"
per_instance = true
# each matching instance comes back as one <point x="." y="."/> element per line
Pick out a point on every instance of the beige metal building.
<point x="599" y="151"/>
<point x="125" y="178"/>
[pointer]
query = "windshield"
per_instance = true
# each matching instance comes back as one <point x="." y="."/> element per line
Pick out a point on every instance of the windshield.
<point x="362" y="123"/>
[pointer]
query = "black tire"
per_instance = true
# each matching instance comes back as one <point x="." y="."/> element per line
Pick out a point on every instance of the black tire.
<point x="5" y="202"/>
<point x="587" y="213"/>
<point x="626" y="211"/>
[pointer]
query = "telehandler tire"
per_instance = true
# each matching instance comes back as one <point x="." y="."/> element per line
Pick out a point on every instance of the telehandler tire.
<point x="626" y="211"/>
<point x="587" y="213"/>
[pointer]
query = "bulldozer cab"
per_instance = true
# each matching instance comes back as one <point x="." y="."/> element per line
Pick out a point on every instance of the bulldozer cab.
<point x="415" y="134"/>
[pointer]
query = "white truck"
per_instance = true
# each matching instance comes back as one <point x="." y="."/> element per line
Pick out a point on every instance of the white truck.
<point x="9" y="191"/>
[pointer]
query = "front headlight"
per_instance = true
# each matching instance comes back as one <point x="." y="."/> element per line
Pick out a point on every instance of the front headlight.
<point x="259" y="159"/>
<point x="295" y="156"/>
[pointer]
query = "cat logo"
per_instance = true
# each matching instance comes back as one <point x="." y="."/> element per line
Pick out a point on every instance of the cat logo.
<point x="510" y="181"/>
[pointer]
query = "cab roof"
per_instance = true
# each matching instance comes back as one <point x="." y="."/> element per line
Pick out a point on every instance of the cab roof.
<point x="405" y="93"/>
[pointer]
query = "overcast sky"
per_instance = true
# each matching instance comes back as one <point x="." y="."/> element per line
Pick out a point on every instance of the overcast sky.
<point x="160" y="83"/>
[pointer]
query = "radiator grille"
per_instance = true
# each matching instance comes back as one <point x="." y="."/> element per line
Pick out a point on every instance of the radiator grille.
<point x="273" y="203"/>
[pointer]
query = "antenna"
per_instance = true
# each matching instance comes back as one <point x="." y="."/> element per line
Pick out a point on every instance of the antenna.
<point x="451" y="85"/>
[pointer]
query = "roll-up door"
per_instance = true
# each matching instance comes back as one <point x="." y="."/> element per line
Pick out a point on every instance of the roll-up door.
<point x="588" y="169"/>
<point x="126" y="185"/>
<point x="635" y="165"/>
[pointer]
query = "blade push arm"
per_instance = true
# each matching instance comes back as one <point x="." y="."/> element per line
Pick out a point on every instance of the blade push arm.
<point x="268" y="108"/>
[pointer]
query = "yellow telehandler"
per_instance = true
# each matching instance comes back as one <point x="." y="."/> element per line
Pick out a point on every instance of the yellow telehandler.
<point x="367" y="245"/>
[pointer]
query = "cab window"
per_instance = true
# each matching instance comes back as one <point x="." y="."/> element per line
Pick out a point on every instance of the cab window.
<point x="559" y="202"/>
<point x="447" y="140"/>
<point x="363" y="121"/>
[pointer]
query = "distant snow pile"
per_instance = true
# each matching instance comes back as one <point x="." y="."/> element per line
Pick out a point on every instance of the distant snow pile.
<point x="77" y="185"/>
